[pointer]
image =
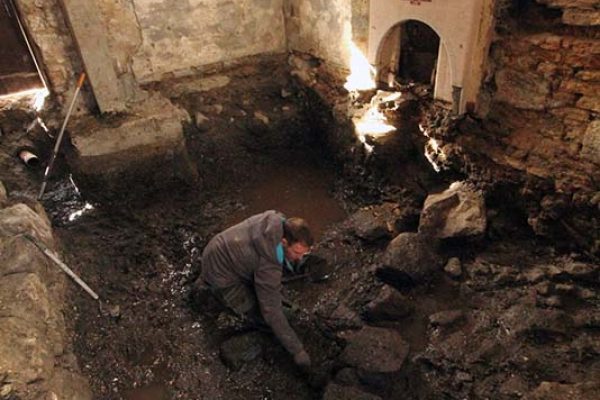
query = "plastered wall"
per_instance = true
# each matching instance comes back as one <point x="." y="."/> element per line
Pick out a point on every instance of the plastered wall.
<point x="177" y="36"/>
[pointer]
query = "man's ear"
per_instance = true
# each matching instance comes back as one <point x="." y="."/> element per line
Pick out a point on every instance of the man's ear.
<point x="285" y="242"/>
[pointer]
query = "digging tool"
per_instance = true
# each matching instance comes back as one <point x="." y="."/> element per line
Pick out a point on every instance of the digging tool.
<point x="51" y="255"/>
<point x="60" y="136"/>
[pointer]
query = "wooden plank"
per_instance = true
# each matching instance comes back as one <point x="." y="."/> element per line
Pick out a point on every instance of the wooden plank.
<point x="90" y="36"/>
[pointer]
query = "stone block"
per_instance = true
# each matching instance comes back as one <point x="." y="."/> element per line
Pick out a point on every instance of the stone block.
<point x="3" y="194"/>
<point x="26" y="355"/>
<point x="20" y="219"/>
<point x="18" y="255"/>
<point x="25" y="297"/>
<point x="147" y="147"/>
<point x="522" y="89"/>
<point x="580" y="87"/>
<point x="591" y="143"/>
<point x="588" y="75"/>
<point x="591" y="103"/>
<point x="579" y="17"/>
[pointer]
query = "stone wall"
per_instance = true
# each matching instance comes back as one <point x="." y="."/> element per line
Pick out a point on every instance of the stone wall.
<point x="50" y="34"/>
<point x="322" y="28"/>
<point x="545" y="93"/>
<point x="157" y="39"/>
<point x="36" y="362"/>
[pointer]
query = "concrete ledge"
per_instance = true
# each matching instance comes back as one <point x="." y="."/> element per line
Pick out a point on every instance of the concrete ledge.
<point x="145" y="145"/>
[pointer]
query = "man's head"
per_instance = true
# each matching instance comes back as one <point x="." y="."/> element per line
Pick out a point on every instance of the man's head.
<point x="297" y="239"/>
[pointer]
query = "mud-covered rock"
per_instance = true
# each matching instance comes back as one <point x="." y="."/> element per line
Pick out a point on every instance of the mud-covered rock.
<point x="389" y="305"/>
<point x="576" y="270"/>
<point x="337" y="318"/>
<point x="457" y="212"/>
<point x="537" y="324"/>
<point x="239" y="350"/>
<point x="375" y="350"/>
<point x="409" y="259"/>
<point x="338" y="392"/>
<point x="446" y="318"/>
<point x="373" y="224"/>
<point x="561" y="391"/>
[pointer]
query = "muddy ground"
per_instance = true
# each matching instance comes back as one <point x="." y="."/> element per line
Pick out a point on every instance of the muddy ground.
<point x="511" y="314"/>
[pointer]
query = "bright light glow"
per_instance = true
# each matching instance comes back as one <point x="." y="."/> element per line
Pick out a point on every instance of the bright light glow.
<point x="25" y="93"/>
<point x="76" y="214"/>
<point x="433" y="152"/>
<point x="361" y="72"/>
<point x="39" y="99"/>
<point x="373" y="123"/>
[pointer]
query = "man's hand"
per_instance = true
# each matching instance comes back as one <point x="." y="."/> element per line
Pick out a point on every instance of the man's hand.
<point x="302" y="359"/>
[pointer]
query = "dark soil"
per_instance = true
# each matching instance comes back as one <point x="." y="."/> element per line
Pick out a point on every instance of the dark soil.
<point x="140" y="251"/>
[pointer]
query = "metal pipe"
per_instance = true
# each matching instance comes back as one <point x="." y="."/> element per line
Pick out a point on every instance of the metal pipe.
<point x="30" y="159"/>
<point x="62" y="265"/>
<point x="60" y="136"/>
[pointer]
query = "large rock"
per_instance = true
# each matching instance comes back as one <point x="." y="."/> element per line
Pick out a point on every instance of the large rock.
<point x="375" y="350"/>
<point x="383" y="221"/>
<point x="457" y="212"/>
<point x="409" y="259"/>
<point x="338" y="392"/>
<point x="374" y="223"/>
<point x="389" y="305"/>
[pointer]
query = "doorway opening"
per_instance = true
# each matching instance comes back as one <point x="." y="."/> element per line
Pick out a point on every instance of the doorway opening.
<point x="419" y="47"/>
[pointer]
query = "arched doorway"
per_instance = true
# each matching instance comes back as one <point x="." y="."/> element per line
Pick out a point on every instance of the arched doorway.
<point x="419" y="47"/>
<point x="409" y="53"/>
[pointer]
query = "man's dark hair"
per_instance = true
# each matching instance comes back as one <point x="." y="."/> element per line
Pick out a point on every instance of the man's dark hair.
<point x="297" y="230"/>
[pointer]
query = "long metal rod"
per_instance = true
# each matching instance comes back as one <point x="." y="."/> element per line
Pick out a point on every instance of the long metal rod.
<point x="60" y="136"/>
<point x="62" y="265"/>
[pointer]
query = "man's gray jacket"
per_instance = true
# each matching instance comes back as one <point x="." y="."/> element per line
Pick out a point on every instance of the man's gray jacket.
<point x="246" y="253"/>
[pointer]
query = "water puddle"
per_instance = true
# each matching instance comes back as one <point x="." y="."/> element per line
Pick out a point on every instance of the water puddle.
<point x="296" y="190"/>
